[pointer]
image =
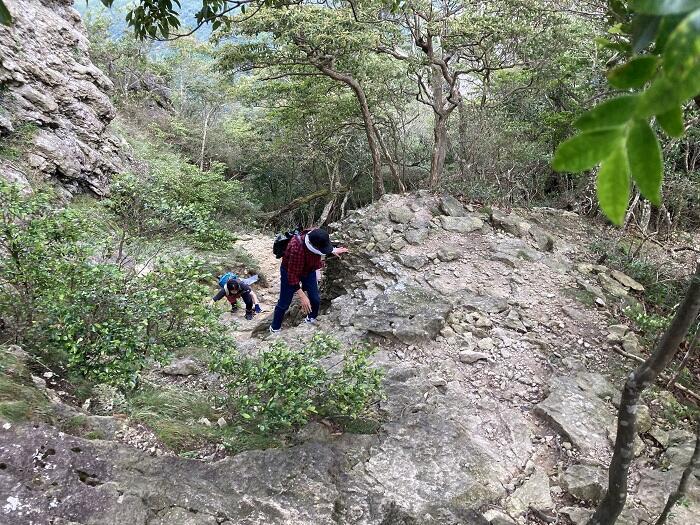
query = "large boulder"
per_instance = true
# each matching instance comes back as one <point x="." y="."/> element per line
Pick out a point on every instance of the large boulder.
<point x="407" y="311"/>
<point x="55" y="104"/>
<point x="451" y="206"/>
<point x="575" y="409"/>
<point x="584" y="482"/>
<point x="465" y="224"/>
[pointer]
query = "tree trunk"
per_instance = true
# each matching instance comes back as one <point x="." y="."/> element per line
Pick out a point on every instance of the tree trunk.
<point x="437" y="164"/>
<point x="390" y="162"/>
<point x="462" y="127"/>
<point x="204" y="141"/>
<point x="370" y="130"/>
<point x="612" y="504"/>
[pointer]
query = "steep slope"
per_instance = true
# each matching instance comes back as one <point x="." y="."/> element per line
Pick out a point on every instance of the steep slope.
<point x="54" y="108"/>
<point x="499" y="397"/>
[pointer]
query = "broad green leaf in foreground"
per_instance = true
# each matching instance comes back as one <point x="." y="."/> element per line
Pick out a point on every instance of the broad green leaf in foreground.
<point x="5" y="16"/>
<point x="682" y="57"/>
<point x="610" y="114"/>
<point x="635" y="73"/>
<point x="586" y="150"/>
<point x="672" y="122"/>
<point x="613" y="186"/>
<point x="664" y="7"/>
<point x="660" y="97"/>
<point x="645" y="160"/>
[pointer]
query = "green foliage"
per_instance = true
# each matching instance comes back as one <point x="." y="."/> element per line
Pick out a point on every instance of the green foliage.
<point x="283" y="388"/>
<point x="13" y="146"/>
<point x="664" y="65"/>
<point x="19" y="399"/>
<point x="5" y="16"/>
<point x="97" y="318"/>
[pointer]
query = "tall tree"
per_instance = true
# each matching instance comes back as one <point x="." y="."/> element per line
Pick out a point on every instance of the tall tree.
<point x="309" y="41"/>
<point x="453" y="47"/>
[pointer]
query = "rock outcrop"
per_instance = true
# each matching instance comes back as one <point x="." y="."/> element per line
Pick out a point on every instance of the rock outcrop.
<point x="496" y="412"/>
<point x="54" y="108"/>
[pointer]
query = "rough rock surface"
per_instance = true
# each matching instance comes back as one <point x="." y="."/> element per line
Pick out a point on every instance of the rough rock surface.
<point x="459" y="441"/>
<point x="54" y="108"/>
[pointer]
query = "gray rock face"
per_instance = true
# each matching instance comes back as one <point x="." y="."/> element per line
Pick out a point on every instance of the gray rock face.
<point x="55" y="106"/>
<point x="401" y="215"/>
<point x="415" y="262"/>
<point x="465" y="224"/>
<point x="584" y="482"/>
<point x="451" y="206"/>
<point x="405" y="311"/>
<point x="510" y="223"/>
<point x="533" y="493"/>
<point x="416" y="236"/>
<point x="577" y="412"/>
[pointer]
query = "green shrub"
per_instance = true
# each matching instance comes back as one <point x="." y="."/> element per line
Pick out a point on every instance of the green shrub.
<point x="99" y="319"/>
<point x="176" y="199"/>
<point x="283" y="388"/>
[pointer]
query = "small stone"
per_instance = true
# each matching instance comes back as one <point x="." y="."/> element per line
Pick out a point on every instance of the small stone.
<point x="486" y="344"/>
<point x="469" y="357"/>
<point x="626" y="281"/>
<point x="204" y="421"/>
<point x="644" y="421"/>
<point x="566" y="445"/>
<point x="182" y="367"/>
<point x="533" y="493"/>
<point x="448" y="254"/>
<point x="461" y="224"/>
<point x="497" y="517"/>
<point x="618" y="331"/>
<point x="438" y="381"/>
<point x="660" y="436"/>
<point x="630" y="344"/>
<point x="600" y="302"/>
<point x="221" y="422"/>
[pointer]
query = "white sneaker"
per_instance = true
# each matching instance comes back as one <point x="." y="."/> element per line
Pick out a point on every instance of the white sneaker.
<point x="310" y="320"/>
<point x="273" y="331"/>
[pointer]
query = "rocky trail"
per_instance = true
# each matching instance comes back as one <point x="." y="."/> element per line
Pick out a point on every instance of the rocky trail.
<point x="496" y="339"/>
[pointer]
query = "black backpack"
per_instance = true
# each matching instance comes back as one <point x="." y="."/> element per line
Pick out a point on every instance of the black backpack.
<point x="281" y="242"/>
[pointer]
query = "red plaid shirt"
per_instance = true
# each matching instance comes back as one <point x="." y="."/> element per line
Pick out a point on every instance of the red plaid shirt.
<point x="298" y="261"/>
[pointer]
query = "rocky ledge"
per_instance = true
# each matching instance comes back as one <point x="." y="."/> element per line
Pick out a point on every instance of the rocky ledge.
<point x="54" y="108"/>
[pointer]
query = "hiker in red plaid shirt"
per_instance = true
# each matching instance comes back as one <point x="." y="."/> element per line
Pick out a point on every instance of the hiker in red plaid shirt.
<point x="303" y="258"/>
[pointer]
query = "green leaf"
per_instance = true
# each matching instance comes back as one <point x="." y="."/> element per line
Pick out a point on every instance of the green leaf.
<point x="667" y="26"/>
<point x="613" y="185"/>
<point x="664" y="7"/>
<point x="613" y="113"/>
<point x="658" y="98"/>
<point x="682" y="57"/>
<point x="5" y="16"/>
<point x="672" y="122"/>
<point x="635" y="73"/>
<point x="645" y="160"/>
<point x="644" y="30"/>
<point x="585" y="150"/>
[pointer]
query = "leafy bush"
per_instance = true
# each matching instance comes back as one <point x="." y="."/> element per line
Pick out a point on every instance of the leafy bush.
<point x="178" y="199"/>
<point x="97" y="318"/>
<point x="284" y="388"/>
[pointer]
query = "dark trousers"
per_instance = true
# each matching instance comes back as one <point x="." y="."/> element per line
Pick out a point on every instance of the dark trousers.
<point x="308" y="283"/>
